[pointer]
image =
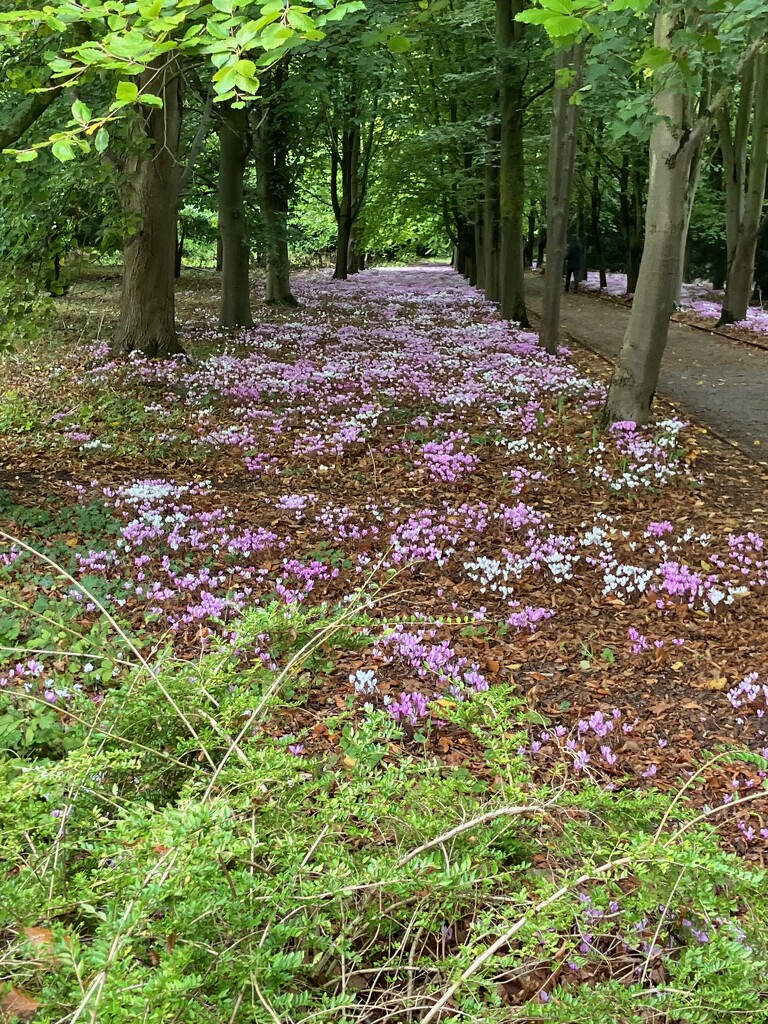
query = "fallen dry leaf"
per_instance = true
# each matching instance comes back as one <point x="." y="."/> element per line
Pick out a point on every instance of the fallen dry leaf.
<point x="15" y="1003"/>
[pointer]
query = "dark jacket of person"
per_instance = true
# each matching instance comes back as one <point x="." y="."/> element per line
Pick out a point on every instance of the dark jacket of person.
<point x="574" y="255"/>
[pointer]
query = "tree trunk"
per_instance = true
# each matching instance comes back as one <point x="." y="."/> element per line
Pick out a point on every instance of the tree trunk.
<point x="491" y="213"/>
<point x="181" y="237"/>
<point x="471" y="257"/>
<point x="26" y="113"/>
<point x="511" y="163"/>
<point x="234" y="147"/>
<point x="740" y="275"/>
<point x="672" y="152"/>
<point x="341" y="268"/>
<point x="596" y="210"/>
<point x="562" y="154"/>
<point x="541" y="246"/>
<point x="342" y="166"/>
<point x="147" y="308"/>
<point x="636" y="237"/>
<point x="631" y="219"/>
<point x="353" y="255"/>
<point x="353" y="259"/>
<point x="733" y="147"/>
<point x="271" y="142"/>
<point x="480" y="247"/>
<point x="531" y="235"/>
<point x="694" y="173"/>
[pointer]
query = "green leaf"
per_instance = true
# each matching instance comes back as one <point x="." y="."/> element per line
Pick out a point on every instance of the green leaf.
<point x="62" y="149"/>
<point x="655" y="57"/>
<point x="126" y="92"/>
<point x="274" y="36"/>
<point x="26" y="156"/>
<point x="300" y="22"/>
<point x="102" y="140"/>
<point x="564" y="7"/>
<point x="81" y="112"/>
<point x="150" y="100"/>
<point x="341" y="10"/>
<point x="399" y="44"/>
<point x="246" y="68"/>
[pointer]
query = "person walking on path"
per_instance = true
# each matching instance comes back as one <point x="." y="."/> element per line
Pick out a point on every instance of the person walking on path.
<point x="574" y="259"/>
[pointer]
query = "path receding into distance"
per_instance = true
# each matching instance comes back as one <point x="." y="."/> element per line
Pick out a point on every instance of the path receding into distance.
<point x="722" y="384"/>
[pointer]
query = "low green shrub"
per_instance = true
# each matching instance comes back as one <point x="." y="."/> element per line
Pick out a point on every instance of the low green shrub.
<point x="188" y="860"/>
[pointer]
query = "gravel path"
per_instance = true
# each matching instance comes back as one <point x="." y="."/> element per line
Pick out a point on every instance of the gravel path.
<point x="721" y="383"/>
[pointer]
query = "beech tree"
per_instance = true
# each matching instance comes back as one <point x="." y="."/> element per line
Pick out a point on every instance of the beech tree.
<point x="272" y="142"/>
<point x="676" y="141"/>
<point x="145" y="44"/>
<point x="691" y="45"/>
<point x="511" y="182"/>
<point x="235" y="141"/>
<point x="562" y="155"/>
<point x="745" y="173"/>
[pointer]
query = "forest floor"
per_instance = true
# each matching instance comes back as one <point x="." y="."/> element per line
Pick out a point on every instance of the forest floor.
<point x="720" y="381"/>
<point x="392" y="436"/>
<point x="347" y="662"/>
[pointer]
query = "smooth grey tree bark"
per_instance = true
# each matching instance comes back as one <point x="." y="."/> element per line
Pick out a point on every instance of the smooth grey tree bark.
<point x="509" y="34"/>
<point x="562" y="155"/>
<point x="741" y="266"/>
<point x="480" y="246"/>
<point x="675" y="141"/>
<point x="734" y="143"/>
<point x="491" y="241"/>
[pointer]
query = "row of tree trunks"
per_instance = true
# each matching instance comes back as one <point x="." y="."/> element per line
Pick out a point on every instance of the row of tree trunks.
<point x="489" y="244"/>
<point x="153" y="248"/>
<point x="351" y="154"/>
<point x="631" y="218"/>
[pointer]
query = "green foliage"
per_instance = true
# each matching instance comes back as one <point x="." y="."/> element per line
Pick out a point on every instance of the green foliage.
<point x="18" y="414"/>
<point x="40" y="711"/>
<point x="127" y="41"/>
<point x="27" y="314"/>
<point x="183" y="859"/>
